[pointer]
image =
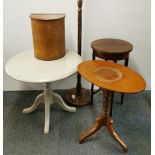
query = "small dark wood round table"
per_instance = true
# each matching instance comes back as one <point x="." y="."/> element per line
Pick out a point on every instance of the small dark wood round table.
<point x="111" y="49"/>
<point x="110" y="77"/>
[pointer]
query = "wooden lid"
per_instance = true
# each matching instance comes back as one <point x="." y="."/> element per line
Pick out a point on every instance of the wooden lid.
<point x="122" y="79"/>
<point x="111" y="46"/>
<point x="47" y="16"/>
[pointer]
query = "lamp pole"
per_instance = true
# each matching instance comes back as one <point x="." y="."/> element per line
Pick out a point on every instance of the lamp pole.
<point x="78" y="86"/>
<point x="78" y="95"/>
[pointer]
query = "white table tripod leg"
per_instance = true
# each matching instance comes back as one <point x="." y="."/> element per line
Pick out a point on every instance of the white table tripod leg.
<point x="39" y="99"/>
<point x="58" y="99"/>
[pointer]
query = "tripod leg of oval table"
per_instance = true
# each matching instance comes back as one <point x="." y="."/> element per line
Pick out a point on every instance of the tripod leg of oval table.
<point x="48" y="100"/>
<point x="96" y="127"/>
<point x="112" y="131"/>
<point x="58" y="99"/>
<point x="39" y="99"/>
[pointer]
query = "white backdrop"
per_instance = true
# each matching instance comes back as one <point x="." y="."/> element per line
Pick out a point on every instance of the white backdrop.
<point x="123" y="19"/>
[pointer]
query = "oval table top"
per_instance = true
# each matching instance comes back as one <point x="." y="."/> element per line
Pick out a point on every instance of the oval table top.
<point x="121" y="79"/>
<point x="25" y="67"/>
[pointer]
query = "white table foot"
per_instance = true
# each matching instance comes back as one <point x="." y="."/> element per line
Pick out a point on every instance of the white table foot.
<point x="39" y="99"/>
<point x="58" y="99"/>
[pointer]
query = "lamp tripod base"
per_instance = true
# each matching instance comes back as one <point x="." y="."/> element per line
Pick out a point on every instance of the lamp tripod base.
<point x="73" y="99"/>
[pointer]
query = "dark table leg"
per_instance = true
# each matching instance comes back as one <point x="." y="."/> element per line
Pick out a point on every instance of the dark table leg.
<point x="92" y="86"/>
<point x="92" y="93"/>
<point x="125" y="64"/>
<point x="105" y="120"/>
<point x="112" y="99"/>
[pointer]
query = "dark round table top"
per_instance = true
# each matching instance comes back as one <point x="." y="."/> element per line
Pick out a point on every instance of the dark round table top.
<point x="112" y="76"/>
<point x="111" y="46"/>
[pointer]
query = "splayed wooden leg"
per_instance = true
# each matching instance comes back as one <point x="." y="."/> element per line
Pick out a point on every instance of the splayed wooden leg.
<point x="97" y="126"/>
<point x="112" y="131"/>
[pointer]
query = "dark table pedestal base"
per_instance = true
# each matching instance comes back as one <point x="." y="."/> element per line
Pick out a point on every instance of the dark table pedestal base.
<point x="83" y="98"/>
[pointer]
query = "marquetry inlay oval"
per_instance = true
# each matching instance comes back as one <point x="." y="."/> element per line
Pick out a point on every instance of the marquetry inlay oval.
<point x="108" y="74"/>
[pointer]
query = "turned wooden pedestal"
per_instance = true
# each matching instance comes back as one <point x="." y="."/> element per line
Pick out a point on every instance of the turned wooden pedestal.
<point x="105" y="120"/>
<point x="110" y="77"/>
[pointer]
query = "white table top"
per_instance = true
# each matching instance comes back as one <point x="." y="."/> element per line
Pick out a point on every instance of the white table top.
<point x="25" y="67"/>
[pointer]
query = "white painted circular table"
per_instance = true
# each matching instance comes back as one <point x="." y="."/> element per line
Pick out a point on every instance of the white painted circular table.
<point x="26" y="68"/>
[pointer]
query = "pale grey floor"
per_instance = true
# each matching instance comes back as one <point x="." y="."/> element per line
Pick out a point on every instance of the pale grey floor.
<point x="23" y="133"/>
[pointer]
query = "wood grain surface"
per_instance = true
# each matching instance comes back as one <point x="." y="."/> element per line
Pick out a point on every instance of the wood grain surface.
<point x="108" y="74"/>
<point x="48" y="36"/>
<point x="131" y="81"/>
<point x="110" y="45"/>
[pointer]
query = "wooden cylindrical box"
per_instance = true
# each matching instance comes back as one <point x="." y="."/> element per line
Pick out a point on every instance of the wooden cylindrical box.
<point x="48" y="32"/>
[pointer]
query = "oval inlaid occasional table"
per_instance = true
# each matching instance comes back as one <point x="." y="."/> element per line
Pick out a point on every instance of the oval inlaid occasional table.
<point x="110" y="77"/>
<point x="26" y="68"/>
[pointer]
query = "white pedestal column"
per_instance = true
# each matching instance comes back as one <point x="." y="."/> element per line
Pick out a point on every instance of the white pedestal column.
<point x="48" y="97"/>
